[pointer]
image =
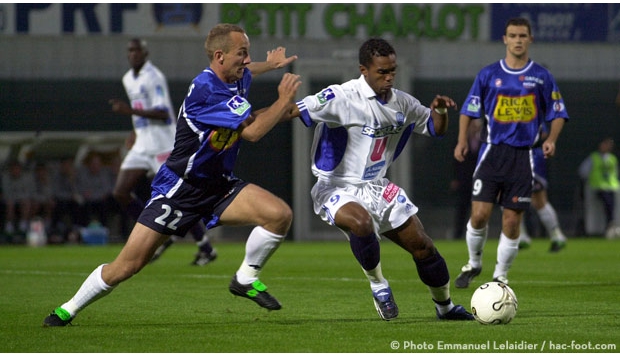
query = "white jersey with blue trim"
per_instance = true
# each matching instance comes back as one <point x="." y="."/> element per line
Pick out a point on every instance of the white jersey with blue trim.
<point x="148" y="91"/>
<point x="514" y="103"/>
<point x="357" y="136"/>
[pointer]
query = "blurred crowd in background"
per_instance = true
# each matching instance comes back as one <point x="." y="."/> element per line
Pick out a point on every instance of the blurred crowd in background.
<point x="60" y="198"/>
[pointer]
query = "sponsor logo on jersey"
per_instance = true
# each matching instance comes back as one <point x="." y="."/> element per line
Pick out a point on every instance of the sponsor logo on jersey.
<point x="390" y="192"/>
<point x="381" y="132"/>
<point x="474" y="104"/>
<point x="530" y="82"/>
<point x="325" y="95"/>
<point x="238" y="105"/>
<point x="371" y="172"/>
<point x="223" y="138"/>
<point x="515" y="109"/>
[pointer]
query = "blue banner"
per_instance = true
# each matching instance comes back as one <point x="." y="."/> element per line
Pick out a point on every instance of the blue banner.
<point x="561" y="22"/>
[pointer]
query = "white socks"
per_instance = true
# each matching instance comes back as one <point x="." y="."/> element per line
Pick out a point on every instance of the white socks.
<point x="261" y="244"/>
<point x="375" y="276"/>
<point x="91" y="290"/>
<point x="507" y="250"/>
<point x="475" y="244"/>
<point x="549" y="219"/>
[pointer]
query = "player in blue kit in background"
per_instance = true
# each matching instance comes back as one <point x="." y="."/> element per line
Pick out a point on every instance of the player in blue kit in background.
<point x="362" y="127"/>
<point x="540" y="201"/>
<point x="197" y="180"/>
<point x="513" y="97"/>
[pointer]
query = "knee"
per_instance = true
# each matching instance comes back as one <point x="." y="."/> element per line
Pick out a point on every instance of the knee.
<point x="362" y="225"/>
<point x="478" y="219"/>
<point x="354" y="218"/>
<point x="286" y="216"/>
<point x="281" y="219"/>
<point x="422" y="247"/>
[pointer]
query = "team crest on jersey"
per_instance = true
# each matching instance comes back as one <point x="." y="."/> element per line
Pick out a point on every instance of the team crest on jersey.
<point x="474" y="104"/>
<point x="238" y="105"/>
<point x="558" y="106"/>
<point x="325" y="96"/>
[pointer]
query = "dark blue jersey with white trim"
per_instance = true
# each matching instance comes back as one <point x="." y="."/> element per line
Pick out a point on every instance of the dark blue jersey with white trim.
<point x="514" y="103"/>
<point x="207" y="137"/>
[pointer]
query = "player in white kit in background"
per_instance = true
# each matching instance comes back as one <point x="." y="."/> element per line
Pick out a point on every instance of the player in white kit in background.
<point x="154" y="124"/>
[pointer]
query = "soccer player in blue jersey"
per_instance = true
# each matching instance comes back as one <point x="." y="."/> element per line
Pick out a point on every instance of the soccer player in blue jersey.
<point x="197" y="180"/>
<point x="540" y="201"/>
<point x="513" y="97"/>
<point x="362" y="126"/>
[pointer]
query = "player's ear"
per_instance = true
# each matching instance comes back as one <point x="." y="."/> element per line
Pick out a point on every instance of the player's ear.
<point x="218" y="56"/>
<point x="363" y="70"/>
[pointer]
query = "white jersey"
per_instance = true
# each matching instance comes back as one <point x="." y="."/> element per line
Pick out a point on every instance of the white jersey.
<point x="147" y="91"/>
<point x="357" y="136"/>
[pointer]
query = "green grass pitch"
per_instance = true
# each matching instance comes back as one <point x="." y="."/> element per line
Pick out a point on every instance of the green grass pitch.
<point x="568" y="302"/>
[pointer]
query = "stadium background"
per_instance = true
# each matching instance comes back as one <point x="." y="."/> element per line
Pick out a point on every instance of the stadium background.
<point x="60" y="63"/>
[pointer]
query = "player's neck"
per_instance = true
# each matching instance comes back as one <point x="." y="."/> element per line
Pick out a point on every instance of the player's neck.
<point x="514" y="62"/>
<point x="136" y="69"/>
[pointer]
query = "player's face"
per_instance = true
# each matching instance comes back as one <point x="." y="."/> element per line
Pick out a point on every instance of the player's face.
<point x="237" y="58"/>
<point x="136" y="55"/>
<point x="380" y="75"/>
<point x="517" y="40"/>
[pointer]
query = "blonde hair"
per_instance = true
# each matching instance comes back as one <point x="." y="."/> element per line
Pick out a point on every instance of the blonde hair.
<point x="219" y="39"/>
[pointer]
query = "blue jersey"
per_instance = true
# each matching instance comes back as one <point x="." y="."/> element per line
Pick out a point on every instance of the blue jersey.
<point x="514" y="103"/>
<point x="207" y="138"/>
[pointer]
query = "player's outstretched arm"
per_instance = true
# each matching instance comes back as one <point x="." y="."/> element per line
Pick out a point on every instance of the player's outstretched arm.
<point x="439" y="113"/>
<point x="262" y="121"/>
<point x="122" y="108"/>
<point x="276" y="59"/>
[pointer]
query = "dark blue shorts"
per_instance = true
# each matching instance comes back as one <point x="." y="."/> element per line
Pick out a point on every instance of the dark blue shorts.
<point x="504" y="176"/>
<point x="175" y="205"/>
<point x="540" y="170"/>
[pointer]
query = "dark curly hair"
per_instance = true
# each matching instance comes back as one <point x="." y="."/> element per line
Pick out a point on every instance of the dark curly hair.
<point x="374" y="47"/>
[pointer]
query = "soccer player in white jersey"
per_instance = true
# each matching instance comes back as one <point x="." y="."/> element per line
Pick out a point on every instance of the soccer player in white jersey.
<point x="513" y="97"/>
<point x="362" y="127"/>
<point x="197" y="181"/>
<point x="154" y="125"/>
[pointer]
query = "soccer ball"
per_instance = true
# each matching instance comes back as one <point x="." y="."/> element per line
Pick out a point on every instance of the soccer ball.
<point x="494" y="303"/>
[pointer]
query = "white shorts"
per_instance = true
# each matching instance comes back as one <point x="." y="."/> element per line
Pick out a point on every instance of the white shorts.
<point x="150" y="162"/>
<point x="388" y="204"/>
